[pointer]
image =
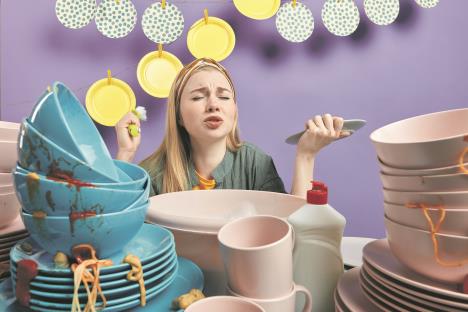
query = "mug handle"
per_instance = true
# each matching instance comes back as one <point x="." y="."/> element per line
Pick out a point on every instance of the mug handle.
<point x="308" y="297"/>
<point x="293" y="237"/>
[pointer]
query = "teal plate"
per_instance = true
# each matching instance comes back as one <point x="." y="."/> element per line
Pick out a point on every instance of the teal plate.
<point x="64" y="282"/>
<point x="189" y="276"/>
<point x="13" y="238"/>
<point x="114" y="296"/>
<point x="151" y="242"/>
<point x="109" y="288"/>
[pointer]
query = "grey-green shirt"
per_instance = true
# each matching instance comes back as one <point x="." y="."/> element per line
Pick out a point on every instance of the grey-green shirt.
<point x="249" y="168"/>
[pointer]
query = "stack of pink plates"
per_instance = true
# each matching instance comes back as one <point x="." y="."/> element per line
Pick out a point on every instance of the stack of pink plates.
<point x="387" y="285"/>
<point x="350" y="297"/>
<point x="9" y="205"/>
<point x="9" y="236"/>
<point x="390" y="286"/>
<point x="8" y="141"/>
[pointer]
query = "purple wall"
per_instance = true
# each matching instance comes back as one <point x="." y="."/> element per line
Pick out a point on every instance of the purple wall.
<point x="382" y="74"/>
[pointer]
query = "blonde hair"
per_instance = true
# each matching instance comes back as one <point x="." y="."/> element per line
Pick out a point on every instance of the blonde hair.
<point x="170" y="162"/>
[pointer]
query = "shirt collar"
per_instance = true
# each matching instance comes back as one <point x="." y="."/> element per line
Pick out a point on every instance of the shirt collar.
<point x="218" y="173"/>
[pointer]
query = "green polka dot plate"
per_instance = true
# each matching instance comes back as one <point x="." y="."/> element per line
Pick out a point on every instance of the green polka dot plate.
<point x="294" y="23"/>
<point x="382" y="12"/>
<point x="75" y="14"/>
<point x="427" y="4"/>
<point x="116" y="19"/>
<point x="340" y="17"/>
<point x="162" y="25"/>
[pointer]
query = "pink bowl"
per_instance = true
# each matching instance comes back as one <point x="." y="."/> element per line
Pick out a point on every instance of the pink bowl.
<point x="450" y="200"/>
<point x="9" y="131"/>
<point x="437" y="183"/>
<point x="426" y="141"/>
<point x="421" y="172"/>
<point x="455" y="222"/>
<point x="414" y="249"/>
<point x="9" y="207"/>
<point x="4" y="189"/>
<point x="195" y="217"/>
<point x="225" y="304"/>
<point x="6" y="178"/>
<point x="8" y="156"/>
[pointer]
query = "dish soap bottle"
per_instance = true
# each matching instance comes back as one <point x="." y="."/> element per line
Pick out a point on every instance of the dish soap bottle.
<point x="318" y="263"/>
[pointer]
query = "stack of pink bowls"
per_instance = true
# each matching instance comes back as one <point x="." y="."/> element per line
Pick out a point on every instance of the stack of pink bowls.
<point x="424" y="166"/>
<point x="11" y="226"/>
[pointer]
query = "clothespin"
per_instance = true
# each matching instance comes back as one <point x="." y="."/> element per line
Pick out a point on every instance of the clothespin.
<point x="205" y="11"/>
<point x="160" y="49"/>
<point x="294" y="3"/>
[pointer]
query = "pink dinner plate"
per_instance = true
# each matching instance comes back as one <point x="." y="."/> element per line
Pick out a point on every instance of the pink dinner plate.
<point x="415" y="297"/>
<point x="351" y="294"/>
<point x="378" y="255"/>
<point x="15" y="226"/>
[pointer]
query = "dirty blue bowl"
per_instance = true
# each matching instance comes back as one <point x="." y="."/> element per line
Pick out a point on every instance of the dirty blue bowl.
<point x="107" y="233"/>
<point x="61" y="117"/>
<point x="59" y="197"/>
<point x="144" y="197"/>
<point x="139" y="177"/>
<point x="137" y="174"/>
<point x="39" y="154"/>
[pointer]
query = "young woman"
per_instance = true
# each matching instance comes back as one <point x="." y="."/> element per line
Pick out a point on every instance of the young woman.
<point x="201" y="148"/>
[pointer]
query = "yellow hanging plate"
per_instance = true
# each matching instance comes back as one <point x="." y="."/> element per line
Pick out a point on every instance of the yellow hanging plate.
<point x="156" y="72"/>
<point x="211" y="37"/>
<point x="108" y="99"/>
<point x="258" y="9"/>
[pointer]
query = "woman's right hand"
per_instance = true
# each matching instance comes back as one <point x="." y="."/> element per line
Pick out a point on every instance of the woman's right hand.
<point x="127" y="144"/>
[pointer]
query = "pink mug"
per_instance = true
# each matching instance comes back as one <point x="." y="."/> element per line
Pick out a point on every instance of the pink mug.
<point x="285" y="303"/>
<point x="257" y="256"/>
<point x="225" y="304"/>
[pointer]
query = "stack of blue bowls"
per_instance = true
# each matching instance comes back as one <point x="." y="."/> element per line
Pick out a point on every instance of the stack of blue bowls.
<point x="70" y="189"/>
<point x="71" y="193"/>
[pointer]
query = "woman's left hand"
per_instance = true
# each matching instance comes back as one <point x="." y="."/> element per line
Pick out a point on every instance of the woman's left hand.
<point x="320" y="131"/>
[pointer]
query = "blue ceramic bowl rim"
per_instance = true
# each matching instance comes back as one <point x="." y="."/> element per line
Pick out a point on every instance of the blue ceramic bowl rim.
<point x="112" y="214"/>
<point x="63" y="182"/>
<point x="103" y="184"/>
<point x="61" y="150"/>
<point x="137" y="167"/>
<point x="144" y="193"/>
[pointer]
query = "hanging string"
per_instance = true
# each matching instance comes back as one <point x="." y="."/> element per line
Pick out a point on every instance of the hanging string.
<point x="125" y="70"/>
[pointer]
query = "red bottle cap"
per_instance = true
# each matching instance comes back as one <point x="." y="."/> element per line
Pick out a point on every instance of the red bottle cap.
<point x="318" y="195"/>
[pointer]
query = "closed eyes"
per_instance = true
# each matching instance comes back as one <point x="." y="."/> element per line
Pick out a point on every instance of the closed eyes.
<point x="198" y="98"/>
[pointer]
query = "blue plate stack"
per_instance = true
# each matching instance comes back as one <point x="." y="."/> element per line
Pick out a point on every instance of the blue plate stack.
<point x="72" y="192"/>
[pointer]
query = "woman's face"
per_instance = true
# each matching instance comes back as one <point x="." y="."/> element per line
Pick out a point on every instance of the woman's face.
<point x="207" y="106"/>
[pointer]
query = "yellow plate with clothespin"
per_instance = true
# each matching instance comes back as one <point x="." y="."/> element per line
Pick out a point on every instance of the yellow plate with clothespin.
<point x="108" y="99"/>
<point x="211" y="37"/>
<point x="156" y="72"/>
<point x="258" y="9"/>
